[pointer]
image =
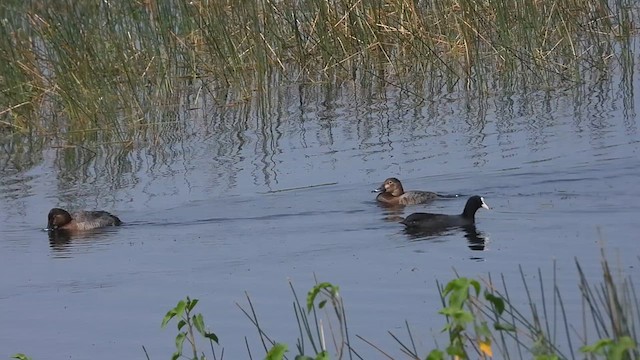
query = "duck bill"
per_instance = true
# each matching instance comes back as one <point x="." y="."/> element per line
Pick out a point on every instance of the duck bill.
<point x="378" y="190"/>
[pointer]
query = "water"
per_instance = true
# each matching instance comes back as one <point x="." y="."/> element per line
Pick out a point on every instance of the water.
<point x="241" y="198"/>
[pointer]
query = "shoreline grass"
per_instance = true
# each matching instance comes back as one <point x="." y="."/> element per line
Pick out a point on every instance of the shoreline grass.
<point x="112" y="64"/>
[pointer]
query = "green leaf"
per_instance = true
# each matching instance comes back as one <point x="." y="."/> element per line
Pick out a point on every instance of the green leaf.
<point x="20" y="356"/>
<point x="598" y="347"/>
<point x="335" y="290"/>
<point x="175" y="356"/>
<point x="322" y="303"/>
<point x="323" y="355"/>
<point x="456" y="349"/>
<point x="619" y="349"/>
<point x="627" y="342"/>
<point x="192" y="304"/>
<point x="458" y="291"/>
<point x="496" y="301"/>
<point x="277" y="352"/>
<point x="212" y="336"/>
<point x="181" y="306"/>
<point x="435" y="355"/>
<point x="170" y="314"/>
<point x="457" y="315"/>
<point x="610" y="348"/>
<point x="451" y="285"/>
<point x="181" y="323"/>
<point x="302" y="357"/>
<point x="198" y="322"/>
<point x="313" y="293"/>
<point x="180" y="341"/>
<point x="463" y="318"/>
<point x="476" y="285"/>
<point x="504" y="327"/>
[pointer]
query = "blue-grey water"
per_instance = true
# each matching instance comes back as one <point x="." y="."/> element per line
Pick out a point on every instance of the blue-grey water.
<point x="246" y="197"/>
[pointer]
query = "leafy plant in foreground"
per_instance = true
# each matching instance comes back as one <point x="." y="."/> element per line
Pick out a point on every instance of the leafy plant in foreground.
<point x="184" y="310"/>
<point x="462" y="313"/>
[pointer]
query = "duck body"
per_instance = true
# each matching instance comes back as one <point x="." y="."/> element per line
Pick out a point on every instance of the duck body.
<point x="430" y="220"/>
<point x="60" y="219"/>
<point x="391" y="192"/>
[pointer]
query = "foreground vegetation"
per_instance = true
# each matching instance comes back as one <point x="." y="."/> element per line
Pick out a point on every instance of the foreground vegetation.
<point x="96" y="64"/>
<point x="480" y="322"/>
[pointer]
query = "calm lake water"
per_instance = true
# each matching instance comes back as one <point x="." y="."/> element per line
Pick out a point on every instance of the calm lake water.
<point x="245" y="198"/>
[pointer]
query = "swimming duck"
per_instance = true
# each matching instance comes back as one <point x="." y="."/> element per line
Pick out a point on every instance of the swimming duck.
<point x="81" y="220"/>
<point x="429" y="220"/>
<point x="392" y="193"/>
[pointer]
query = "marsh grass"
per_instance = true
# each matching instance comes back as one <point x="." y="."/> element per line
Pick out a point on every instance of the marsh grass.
<point x="111" y="65"/>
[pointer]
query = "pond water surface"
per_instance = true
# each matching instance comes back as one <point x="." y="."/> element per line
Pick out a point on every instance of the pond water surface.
<point x="244" y="198"/>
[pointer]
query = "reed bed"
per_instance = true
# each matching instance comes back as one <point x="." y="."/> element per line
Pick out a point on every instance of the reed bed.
<point x="115" y="65"/>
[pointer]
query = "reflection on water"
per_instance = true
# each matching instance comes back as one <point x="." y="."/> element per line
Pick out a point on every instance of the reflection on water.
<point x="201" y="196"/>
<point x="476" y="239"/>
<point x="64" y="244"/>
<point x="59" y="239"/>
<point x="265" y="144"/>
